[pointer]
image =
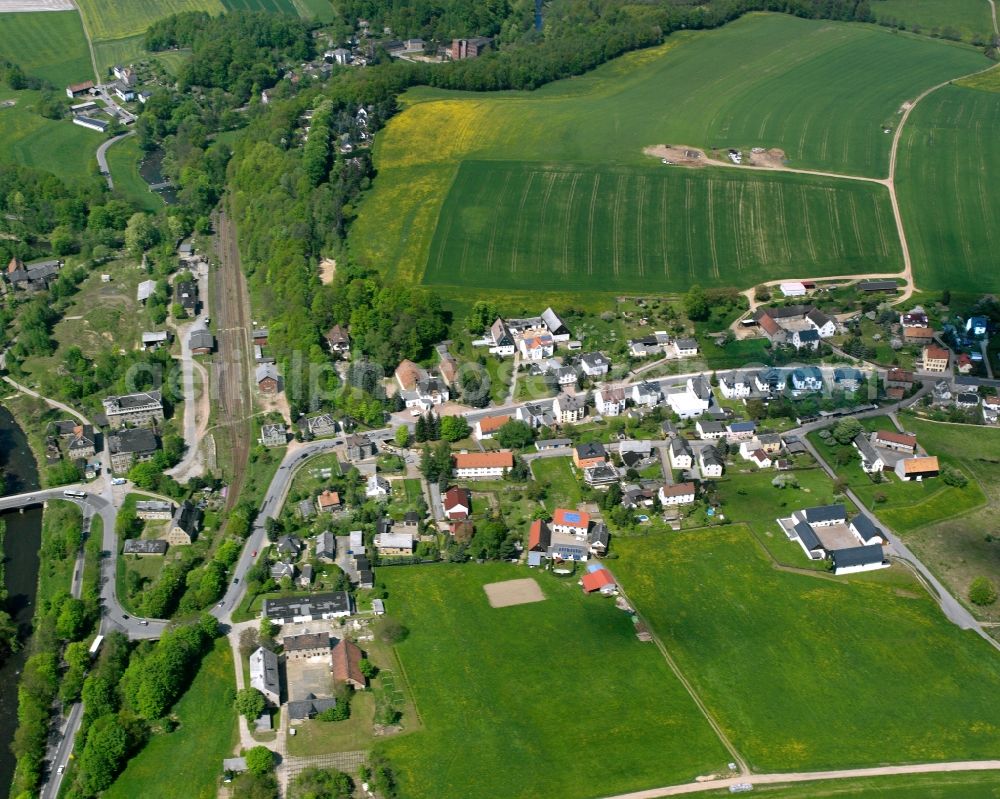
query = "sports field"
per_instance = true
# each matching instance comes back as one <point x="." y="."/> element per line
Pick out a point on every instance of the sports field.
<point x="577" y="708"/>
<point x="49" y="45"/>
<point x="513" y="224"/>
<point x="968" y="18"/>
<point x="811" y="95"/>
<point x="947" y="176"/>
<point x="803" y="672"/>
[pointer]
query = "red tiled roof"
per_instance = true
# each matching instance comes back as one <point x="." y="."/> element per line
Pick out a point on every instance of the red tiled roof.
<point x="596" y="580"/>
<point x="895" y="393"/>
<point x="679" y="490"/>
<point x="919" y="465"/>
<point x="770" y="326"/>
<point x="346" y="661"/>
<point x="490" y="424"/>
<point x="899" y="376"/>
<point x="407" y="374"/>
<point x="538" y="535"/>
<point x="329" y="499"/>
<point x="892" y="436"/>
<point x="571" y="518"/>
<point x="919" y="333"/>
<point x="456" y="496"/>
<point x="504" y="459"/>
<point x="935" y="353"/>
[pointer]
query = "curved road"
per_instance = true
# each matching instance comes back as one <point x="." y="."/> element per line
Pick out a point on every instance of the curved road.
<point x="102" y="156"/>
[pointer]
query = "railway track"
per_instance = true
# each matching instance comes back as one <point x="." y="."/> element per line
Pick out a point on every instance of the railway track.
<point x="233" y="326"/>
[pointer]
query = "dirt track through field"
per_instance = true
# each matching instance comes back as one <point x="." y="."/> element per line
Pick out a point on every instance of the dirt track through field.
<point x="233" y="319"/>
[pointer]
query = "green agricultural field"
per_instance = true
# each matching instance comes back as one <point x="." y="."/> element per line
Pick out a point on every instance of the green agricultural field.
<point x="508" y="715"/>
<point x="803" y="672"/>
<point x="49" y="45"/>
<point x="320" y="9"/>
<point x="205" y="734"/>
<point x="812" y="97"/>
<point x="30" y="139"/>
<point x="272" y="6"/>
<point x="513" y="224"/>
<point x="968" y="19"/>
<point x="109" y="20"/>
<point x="949" y="165"/>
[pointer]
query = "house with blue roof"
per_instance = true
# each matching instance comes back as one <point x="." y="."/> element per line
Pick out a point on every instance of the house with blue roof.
<point x="741" y="431"/>
<point x="977" y="326"/>
<point x="806" y="379"/>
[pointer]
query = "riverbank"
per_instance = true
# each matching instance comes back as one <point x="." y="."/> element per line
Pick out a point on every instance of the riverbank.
<point x="21" y="550"/>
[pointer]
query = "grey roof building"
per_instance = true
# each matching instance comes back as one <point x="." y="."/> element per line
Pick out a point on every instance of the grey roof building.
<point x="331" y="605"/>
<point x="264" y="674"/>
<point x="144" y="546"/>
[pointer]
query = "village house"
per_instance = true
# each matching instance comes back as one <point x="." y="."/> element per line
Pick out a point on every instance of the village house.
<point x="685" y="348"/>
<point x="601" y="474"/>
<point x="914" y="319"/>
<point x="770" y="443"/>
<point x="899" y="378"/>
<point x="898" y="442"/>
<point x="918" y="335"/>
<point x="736" y="385"/>
<point x="647" y="394"/>
<point x="535" y="416"/>
<point x="79" y="439"/>
<point x="917" y="468"/>
<point x="865" y="531"/>
<point x="594" y="364"/>
<point x="135" y="409"/>
<point x="457" y="503"/>
<point x="325" y="547"/>
<point x="290" y="610"/>
<point x="462" y="49"/>
<point x="847" y="379"/>
<point x="482" y="465"/>
<point x="273" y="435"/>
<point x="359" y="447"/>
<point x="281" y="570"/>
<point x="610" y="401"/>
<point x="78" y="89"/>
<point x="636" y="454"/>
<point x="184" y="525"/>
<point x="568" y="408"/>
<point x="536" y="346"/>
<point x="788" y="325"/>
<point x="394" y="544"/>
<point x="871" y="461"/>
<point x="570" y="522"/>
<point x="977" y="326"/>
<point x="806" y="379"/>
<point x="129" y="447"/>
<point x="346" y="664"/>
<point x="145" y="290"/>
<point x="590" y="454"/>
<point x="598" y="580"/>
<point x="377" y="487"/>
<point x="878" y="286"/>
<point x="328" y="501"/>
<point x="693" y="401"/>
<point x="710" y="430"/>
<point x="741" y="431"/>
<point x="259" y="336"/>
<point x="201" y="342"/>
<point x="934" y="359"/>
<point x="501" y="340"/>
<point x="339" y="341"/>
<point x="264" y="674"/>
<point x="710" y="462"/>
<point x="289" y="546"/>
<point x="770" y="381"/>
<point x="486" y="427"/>
<point x="266" y="376"/>
<point x="152" y="341"/>
<point x="760" y="459"/>
<point x="144" y="546"/>
<point x="186" y="294"/>
<point x="408" y="374"/>
<point x="544" y="444"/>
<point x="679" y="494"/>
<point x="306" y="646"/>
<point x="448" y="369"/>
<point x="154" y="509"/>
<point x="681" y="456"/>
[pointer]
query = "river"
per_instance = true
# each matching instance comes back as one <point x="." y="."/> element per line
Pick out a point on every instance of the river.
<point x="24" y="535"/>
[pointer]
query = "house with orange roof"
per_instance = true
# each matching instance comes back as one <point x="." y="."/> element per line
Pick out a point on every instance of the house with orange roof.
<point x="919" y="468"/>
<point x="487" y="427"/>
<point x="934" y="358"/>
<point x="328" y="501"/>
<point x="482" y="465"/>
<point x="598" y="580"/>
<point x="571" y="522"/>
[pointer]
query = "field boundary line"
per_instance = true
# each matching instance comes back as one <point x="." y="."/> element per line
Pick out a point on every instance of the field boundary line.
<point x="679" y="674"/>
<point x="90" y="42"/>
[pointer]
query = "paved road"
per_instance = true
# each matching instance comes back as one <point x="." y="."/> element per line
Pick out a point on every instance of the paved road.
<point x="809" y="776"/>
<point x="58" y="762"/>
<point x="102" y="156"/>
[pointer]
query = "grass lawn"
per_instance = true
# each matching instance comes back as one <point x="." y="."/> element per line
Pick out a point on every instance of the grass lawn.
<point x="55" y="573"/>
<point x="962" y="547"/>
<point x="805" y="672"/>
<point x="947" y="163"/>
<point x="556" y="474"/>
<point x="48" y="45"/>
<point x="486" y="677"/>
<point x="123" y="160"/>
<point x="273" y="6"/>
<point x="106" y="20"/>
<point x="725" y="88"/>
<point x="322" y="737"/>
<point x="206" y="734"/>
<point x="908" y="505"/>
<point x="57" y="146"/>
<point x="970" y="785"/>
<point x="507" y="222"/>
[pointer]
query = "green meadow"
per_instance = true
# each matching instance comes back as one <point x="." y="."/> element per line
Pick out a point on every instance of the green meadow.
<point x="56" y="146"/>
<point x="553" y="698"/>
<point x="48" y="45"/>
<point x="764" y="80"/>
<point x="804" y="672"/>
<point x="968" y="18"/>
<point x="949" y="164"/>
<point x="961" y="785"/>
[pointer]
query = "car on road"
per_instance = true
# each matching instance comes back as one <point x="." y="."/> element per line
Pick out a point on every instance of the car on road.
<point x="253" y="554"/>
<point x="60" y="770"/>
<point x="235" y="581"/>
<point x="118" y="481"/>
<point x="125" y="616"/>
<point x="144" y="623"/>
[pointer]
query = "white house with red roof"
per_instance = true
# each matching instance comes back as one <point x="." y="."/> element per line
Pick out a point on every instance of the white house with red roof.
<point x="457" y="503"/>
<point x="571" y="522"/>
